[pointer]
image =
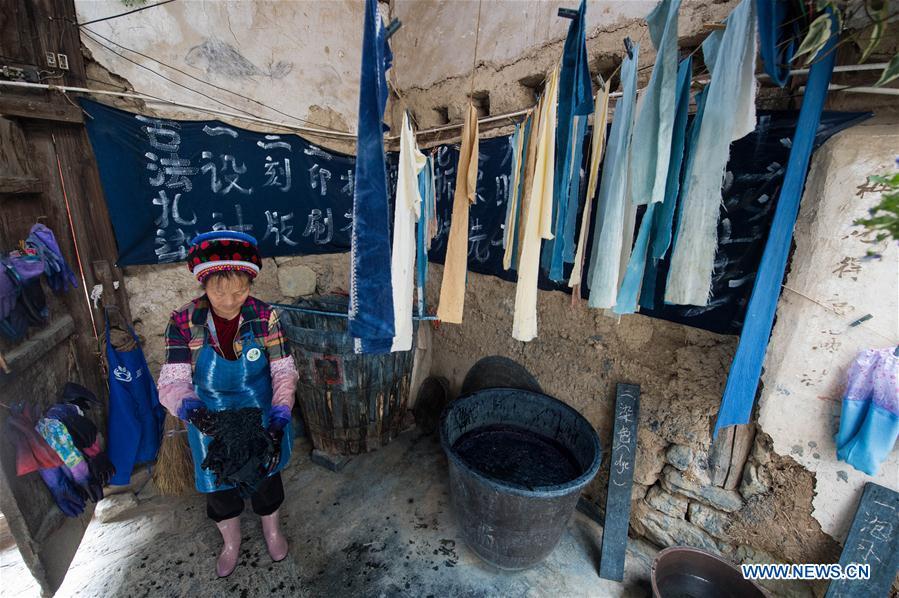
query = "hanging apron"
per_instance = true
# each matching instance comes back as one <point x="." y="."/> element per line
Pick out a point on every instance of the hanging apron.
<point x="135" y="416"/>
<point x="223" y="384"/>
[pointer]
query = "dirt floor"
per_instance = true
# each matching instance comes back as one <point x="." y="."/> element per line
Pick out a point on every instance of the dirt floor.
<point x="383" y="526"/>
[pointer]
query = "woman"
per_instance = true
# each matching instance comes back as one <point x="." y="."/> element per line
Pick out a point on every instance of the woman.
<point x="226" y="350"/>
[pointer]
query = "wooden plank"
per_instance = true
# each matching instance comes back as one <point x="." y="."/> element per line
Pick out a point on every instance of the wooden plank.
<point x="20" y="185"/>
<point x="743" y="437"/>
<point x="719" y="456"/>
<point x="621" y="478"/>
<point x="873" y="540"/>
<point x="25" y="107"/>
<point x="32" y="349"/>
<point x="16" y="33"/>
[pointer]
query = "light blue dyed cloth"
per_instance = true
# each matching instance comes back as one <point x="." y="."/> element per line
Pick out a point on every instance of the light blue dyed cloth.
<point x="663" y="216"/>
<point x="743" y="379"/>
<point x="626" y="303"/>
<point x="651" y="143"/>
<point x="426" y="189"/>
<point x="575" y="100"/>
<point x="869" y="421"/>
<point x="729" y="115"/>
<point x="605" y="256"/>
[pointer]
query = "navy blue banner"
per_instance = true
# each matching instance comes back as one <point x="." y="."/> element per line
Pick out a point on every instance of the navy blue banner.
<point x="166" y="180"/>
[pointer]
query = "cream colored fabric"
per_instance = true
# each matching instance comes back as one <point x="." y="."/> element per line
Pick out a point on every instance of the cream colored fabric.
<point x="600" y="119"/>
<point x="452" y="287"/>
<point x="406" y="214"/>
<point x="538" y="215"/>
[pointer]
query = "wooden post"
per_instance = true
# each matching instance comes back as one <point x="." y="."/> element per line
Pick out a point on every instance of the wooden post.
<point x="621" y="478"/>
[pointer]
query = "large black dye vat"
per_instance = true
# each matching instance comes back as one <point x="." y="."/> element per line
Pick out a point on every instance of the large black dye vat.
<point x="518" y="461"/>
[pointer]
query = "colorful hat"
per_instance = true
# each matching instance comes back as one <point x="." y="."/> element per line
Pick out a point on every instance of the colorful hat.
<point x="217" y="251"/>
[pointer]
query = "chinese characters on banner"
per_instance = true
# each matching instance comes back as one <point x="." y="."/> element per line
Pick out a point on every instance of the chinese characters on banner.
<point x="165" y="181"/>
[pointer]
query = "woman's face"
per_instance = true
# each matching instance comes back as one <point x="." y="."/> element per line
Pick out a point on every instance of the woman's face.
<point x="227" y="294"/>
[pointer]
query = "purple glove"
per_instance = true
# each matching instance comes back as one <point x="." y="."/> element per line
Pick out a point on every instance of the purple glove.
<point x="195" y="412"/>
<point x="66" y="494"/>
<point x="278" y="418"/>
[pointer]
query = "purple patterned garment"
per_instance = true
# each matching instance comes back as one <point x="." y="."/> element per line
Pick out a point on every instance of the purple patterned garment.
<point x="874" y="376"/>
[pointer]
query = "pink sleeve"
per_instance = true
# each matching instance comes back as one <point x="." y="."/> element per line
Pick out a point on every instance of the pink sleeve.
<point x="175" y="385"/>
<point x="284" y="382"/>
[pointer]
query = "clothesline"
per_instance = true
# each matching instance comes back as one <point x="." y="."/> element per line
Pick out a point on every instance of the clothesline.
<point x="347" y="135"/>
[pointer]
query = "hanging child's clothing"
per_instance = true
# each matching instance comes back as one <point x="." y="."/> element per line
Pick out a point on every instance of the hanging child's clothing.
<point x="869" y="421"/>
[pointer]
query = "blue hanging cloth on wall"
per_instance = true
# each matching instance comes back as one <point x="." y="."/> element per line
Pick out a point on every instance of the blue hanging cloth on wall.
<point x="663" y="216"/>
<point x="777" y="38"/>
<point x="575" y="104"/>
<point x="371" y="318"/>
<point x="743" y="380"/>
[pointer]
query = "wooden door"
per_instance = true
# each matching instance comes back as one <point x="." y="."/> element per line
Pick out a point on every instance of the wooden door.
<point x="48" y="174"/>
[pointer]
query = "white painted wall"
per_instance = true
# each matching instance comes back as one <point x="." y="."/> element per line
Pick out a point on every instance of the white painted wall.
<point x="829" y="286"/>
<point x="299" y="57"/>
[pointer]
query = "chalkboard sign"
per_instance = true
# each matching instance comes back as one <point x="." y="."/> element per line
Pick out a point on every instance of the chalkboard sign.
<point x="873" y="540"/>
<point x="621" y="478"/>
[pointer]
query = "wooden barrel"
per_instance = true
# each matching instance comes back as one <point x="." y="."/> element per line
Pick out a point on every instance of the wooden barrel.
<point x="351" y="403"/>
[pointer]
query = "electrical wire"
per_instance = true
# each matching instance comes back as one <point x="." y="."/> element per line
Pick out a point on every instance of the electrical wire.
<point x="122" y="14"/>
<point x="199" y="80"/>
<point x="170" y="80"/>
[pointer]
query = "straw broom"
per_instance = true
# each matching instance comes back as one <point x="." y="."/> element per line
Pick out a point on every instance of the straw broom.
<point x="174" y="473"/>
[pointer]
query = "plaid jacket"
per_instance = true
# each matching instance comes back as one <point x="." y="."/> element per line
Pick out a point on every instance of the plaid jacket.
<point x="188" y="330"/>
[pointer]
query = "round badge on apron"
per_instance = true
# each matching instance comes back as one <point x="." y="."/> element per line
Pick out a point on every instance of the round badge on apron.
<point x="253" y="354"/>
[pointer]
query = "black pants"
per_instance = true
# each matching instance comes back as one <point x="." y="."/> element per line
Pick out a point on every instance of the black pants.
<point x="227" y="504"/>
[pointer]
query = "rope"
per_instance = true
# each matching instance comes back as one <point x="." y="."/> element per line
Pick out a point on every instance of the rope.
<point x="336" y="314"/>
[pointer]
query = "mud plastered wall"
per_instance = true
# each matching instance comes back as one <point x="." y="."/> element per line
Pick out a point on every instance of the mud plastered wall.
<point x="832" y="283"/>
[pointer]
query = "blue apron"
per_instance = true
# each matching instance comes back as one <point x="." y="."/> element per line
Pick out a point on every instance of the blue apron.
<point x="223" y="384"/>
<point x="135" y="416"/>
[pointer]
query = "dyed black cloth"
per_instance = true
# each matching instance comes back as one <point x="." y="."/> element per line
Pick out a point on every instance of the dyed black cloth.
<point x="227" y="504"/>
<point x="240" y="449"/>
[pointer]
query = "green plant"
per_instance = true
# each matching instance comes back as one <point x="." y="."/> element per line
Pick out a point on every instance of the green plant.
<point x="883" y="219"/>
<point x="819" y="31"/>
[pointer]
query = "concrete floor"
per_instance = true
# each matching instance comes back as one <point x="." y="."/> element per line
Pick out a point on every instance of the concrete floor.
<point x="383" y="526"/>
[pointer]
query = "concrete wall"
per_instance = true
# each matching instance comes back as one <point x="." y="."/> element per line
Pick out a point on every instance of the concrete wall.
<point x="831" y="284"/>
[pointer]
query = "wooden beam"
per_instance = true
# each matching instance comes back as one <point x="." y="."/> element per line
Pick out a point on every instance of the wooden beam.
<point x="31" y="350"/>
<point x="57" y="111"/>
<point x="20" y="185"/>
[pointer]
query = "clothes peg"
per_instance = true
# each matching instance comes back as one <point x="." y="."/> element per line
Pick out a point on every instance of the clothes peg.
<point x="568" y="13"/>
<point x="392" y="27"/>
<point x="629" y="47"/>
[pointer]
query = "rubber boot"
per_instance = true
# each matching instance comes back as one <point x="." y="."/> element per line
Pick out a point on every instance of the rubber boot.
<point x="227" y="561"/>
<point x="274" y="539"/>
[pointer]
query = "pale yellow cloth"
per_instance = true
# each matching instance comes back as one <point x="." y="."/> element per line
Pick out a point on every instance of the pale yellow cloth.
<point x="600" y="118"/>
<point x="537" y="215"/>
<point x="452" y="287"/>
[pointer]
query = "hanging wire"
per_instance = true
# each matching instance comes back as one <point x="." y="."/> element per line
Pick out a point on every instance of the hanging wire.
<point x="158" y="74"/>
<point x="122" y="14"/>
<point x="203" y="81"/>
<point x="474" y="59"/>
